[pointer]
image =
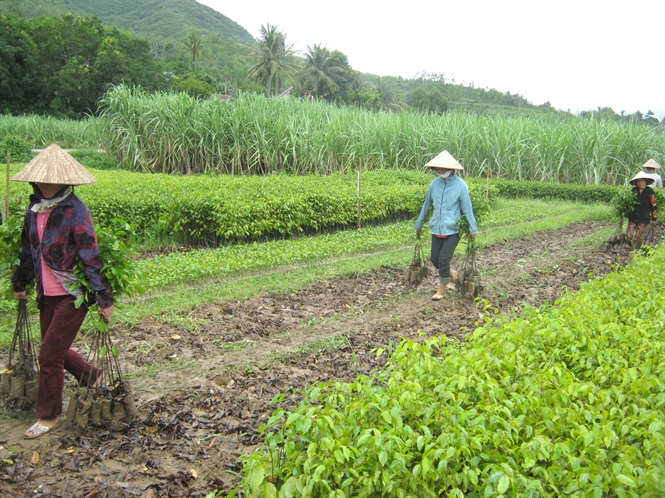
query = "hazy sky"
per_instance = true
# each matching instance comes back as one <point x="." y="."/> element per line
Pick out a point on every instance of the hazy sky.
<point x="576" y="54"/>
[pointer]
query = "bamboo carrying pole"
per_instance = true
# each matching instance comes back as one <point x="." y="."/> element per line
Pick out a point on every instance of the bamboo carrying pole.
<point x="5" y="205"/>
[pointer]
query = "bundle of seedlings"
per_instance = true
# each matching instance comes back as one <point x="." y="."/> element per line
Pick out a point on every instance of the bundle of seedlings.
<point x="417" y="269"/>
<point x="108" y="400"/>
<point x="624" y="203"/>
<point x="468" y="278"/>
<point x="20" y="378"/>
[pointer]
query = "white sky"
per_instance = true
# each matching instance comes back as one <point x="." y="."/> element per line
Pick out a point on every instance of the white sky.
<point x="576" y="54"/>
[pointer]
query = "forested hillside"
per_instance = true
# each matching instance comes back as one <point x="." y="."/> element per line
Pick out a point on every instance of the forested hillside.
<point x="153" y="19"/>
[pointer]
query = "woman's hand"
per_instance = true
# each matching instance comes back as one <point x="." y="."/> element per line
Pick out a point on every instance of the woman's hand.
<point x="105" y="313"/>
<point x="21" y="296"/>
<point x="472" y="237"/>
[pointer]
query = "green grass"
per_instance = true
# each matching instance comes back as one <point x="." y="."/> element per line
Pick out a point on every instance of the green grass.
<point x="318" y="346"/>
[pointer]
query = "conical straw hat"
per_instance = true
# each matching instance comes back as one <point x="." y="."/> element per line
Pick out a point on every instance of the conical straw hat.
<point x="642" y="176"/>
<point x="54" y="165"/>
<point x="651" y="163"/>
<point x="444" y="160"/>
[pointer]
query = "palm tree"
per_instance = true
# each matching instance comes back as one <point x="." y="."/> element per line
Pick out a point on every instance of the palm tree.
<point x="273" y="65"/>
<point x="387" y="96"/>
<point x="194" y="46"/>
<point x="321" y="75"/>
<point x="358" y="82"/>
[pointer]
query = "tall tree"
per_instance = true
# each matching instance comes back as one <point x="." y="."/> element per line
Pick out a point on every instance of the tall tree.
<point x="387" y="96"/>
<point x="62" y="65"/>
<point x="18" y="66"/>
<point x="194" y="46"/>
<point x="428" y="100"/>
<point x="273" y="65"/>
<point x="322" y="74"/>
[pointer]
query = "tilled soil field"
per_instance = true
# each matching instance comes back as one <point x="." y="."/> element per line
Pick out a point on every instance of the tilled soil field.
<point x="202" y="411"/>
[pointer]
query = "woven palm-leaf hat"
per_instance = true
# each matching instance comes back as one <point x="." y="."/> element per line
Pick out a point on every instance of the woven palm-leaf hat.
<point x="54" y="165"/>
<point x="651" y="163"/>
<point x="444" y="160"/>
<point x="641" y="176"/>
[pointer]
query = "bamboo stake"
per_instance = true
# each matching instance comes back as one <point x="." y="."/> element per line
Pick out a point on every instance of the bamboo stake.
<point x="5" y="206"/>
<point x="359" y="195"/>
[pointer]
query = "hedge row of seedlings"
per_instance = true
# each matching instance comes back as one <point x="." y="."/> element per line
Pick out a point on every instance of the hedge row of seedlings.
<point x="209" y="210"/>
<point x="215" y="210"/>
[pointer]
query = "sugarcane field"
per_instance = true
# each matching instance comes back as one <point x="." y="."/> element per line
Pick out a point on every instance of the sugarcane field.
<point x="281" y="328"/>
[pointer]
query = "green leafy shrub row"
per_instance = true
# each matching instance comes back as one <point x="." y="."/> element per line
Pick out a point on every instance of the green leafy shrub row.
<point x="215" y="210"/>
<point x="19" y="149"/>
<point x="567" y="400"/>
<point x="550" y="190"/>
<point x="218" y="210"/>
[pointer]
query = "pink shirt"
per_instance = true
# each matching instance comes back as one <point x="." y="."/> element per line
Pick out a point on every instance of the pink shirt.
<point x="51" y="286"/>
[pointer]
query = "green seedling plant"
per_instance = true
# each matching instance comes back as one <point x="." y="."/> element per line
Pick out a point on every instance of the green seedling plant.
<point x="120" y="268"/>
<point x="564" y="400"/>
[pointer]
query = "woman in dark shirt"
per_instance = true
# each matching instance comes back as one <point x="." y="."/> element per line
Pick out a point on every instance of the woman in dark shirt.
<point x="645" y="211"/>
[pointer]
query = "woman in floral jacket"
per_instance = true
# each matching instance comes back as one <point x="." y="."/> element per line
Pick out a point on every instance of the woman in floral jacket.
<point x="57" y="233"/>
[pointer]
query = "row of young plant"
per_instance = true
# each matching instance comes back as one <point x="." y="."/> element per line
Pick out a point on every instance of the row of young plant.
<point x="189" y="267"/>
<point x="215" y="210"/>
<point x="566" y="400"/>
<point x="203" y="210"/>
<point x="559" y="191"/>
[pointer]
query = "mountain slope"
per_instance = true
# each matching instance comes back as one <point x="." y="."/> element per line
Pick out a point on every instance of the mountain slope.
<point x="152" y="19"/>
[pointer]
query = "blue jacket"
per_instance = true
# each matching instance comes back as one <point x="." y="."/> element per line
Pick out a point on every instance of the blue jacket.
<point x="449" y="198"/>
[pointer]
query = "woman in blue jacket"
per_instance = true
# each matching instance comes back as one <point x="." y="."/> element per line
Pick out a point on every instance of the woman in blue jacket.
<point x="448" y="196"/>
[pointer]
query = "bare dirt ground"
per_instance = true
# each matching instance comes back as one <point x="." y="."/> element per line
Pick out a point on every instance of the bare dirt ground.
<point x="215" y="380"/>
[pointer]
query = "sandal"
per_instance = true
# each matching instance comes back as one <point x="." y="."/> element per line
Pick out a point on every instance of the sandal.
<point x="437" y="297"/>
<point x="37" y="430"/>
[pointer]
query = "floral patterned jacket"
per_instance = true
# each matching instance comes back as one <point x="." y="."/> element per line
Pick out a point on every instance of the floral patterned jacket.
<point x="69" y="233"/>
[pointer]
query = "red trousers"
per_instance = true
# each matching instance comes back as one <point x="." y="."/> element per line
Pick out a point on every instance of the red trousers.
<point x="59" y="321"/>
